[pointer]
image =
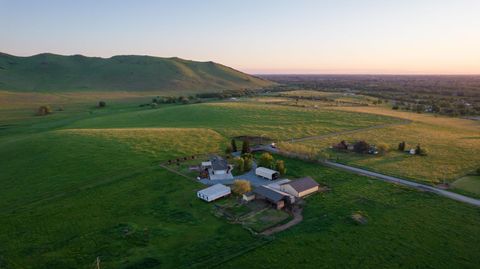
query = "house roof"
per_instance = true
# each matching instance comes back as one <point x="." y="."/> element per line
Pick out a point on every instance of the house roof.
<point x="265" y="170"/>
<point x="269" y="194"/>
<point x="218" y="163"/>
<point x="215" y="189"/>
<point x="303" y="184"/>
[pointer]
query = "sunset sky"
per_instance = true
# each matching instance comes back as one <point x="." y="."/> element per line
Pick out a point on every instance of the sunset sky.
<point x="269" y="36"/>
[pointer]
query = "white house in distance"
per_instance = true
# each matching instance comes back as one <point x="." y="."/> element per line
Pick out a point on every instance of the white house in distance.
<point x="214" y="192"/>
<point x="218" y="168"/>
<point x="300" y="187"/>
<point x="267" y="173"/>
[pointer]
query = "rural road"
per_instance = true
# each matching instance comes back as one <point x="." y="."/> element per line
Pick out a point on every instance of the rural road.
<point x="408" y="183"/>
<point x="419" y="186"/>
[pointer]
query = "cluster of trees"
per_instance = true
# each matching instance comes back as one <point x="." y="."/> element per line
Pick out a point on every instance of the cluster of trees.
<point x="241" y="186"/>
<point x="229" y="93"/>
<point x="419" y="150"/>
<point x="175" y="100"/>
<point x="267" y="160"/>
<point x="233" y="147"/>
<point x="243" y="163"/>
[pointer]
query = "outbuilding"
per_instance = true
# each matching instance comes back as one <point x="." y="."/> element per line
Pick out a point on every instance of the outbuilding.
<point x="276" y="198"/>
<point x="267" y="173"/>
<point x="300" y="187"/>
<point x="214" y="192"/>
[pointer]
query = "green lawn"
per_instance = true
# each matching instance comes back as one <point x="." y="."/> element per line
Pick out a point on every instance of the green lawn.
<point x="406" y="228"/>
<point x="469" y="183"/>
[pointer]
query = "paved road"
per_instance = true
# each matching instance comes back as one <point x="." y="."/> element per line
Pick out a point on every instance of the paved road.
<point x="250" y="176"/>
<point x="419" y="186"/>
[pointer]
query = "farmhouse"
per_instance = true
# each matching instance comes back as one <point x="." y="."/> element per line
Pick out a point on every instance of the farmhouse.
<point x="300" y="187"/>
<point x="276" y="198"/>
<point x="267" y="173"/>
<point x="213" y="192"/>
<point x="217" y="168"/>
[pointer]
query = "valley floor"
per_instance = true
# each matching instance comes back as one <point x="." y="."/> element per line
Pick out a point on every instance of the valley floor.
<point x="85" y="183"/>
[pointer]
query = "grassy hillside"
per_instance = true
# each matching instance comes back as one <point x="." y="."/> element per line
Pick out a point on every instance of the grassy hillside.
<point x="57" y="73"/>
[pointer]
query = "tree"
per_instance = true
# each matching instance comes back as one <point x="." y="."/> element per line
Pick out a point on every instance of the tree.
<point x="382" y="148"/>
<point x="228" y="149"/>
<point x="102" y="104"/>
<point x="239" y="164"/>
<point x="478" y="171"/>
<point x="266" y="160"/>
<point x="248" y="163"/>
<point x="241" y="186"/>
<point x="420" y="151"/>
<point x="361" y="147"/>
<point x="234" y="145"/>
<point x="44" y="110"/>
<point x="280" y="167"/>
<point x="401" y="146"/>
<point x="246" y="147"/>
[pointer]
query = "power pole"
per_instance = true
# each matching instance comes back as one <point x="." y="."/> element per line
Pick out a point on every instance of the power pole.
<point x="98" y="262"/>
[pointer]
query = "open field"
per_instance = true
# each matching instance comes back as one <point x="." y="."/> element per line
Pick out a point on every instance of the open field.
<point x="405" y="228"/>
<point x="451" y="144"/>
<point x="244" y="118"/>
<point x="469" y="184"/>
<point x="84" y="185"/>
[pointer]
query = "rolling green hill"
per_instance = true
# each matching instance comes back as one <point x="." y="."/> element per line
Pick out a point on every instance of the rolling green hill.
<point x="57" y="73"/>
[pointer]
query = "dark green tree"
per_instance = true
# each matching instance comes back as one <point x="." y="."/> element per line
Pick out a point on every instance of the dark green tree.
<point x="234" y="145"/>
<point x="246" y="147"/>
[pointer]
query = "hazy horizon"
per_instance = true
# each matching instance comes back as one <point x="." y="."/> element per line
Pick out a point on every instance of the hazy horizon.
<point x="268" y="37"/>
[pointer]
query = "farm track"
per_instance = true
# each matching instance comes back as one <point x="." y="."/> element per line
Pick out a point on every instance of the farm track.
<point x="297" y="218"/>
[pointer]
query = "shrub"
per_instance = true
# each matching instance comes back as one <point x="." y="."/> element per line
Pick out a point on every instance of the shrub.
<point x="382" y="148"/>
<point x="361" y="147"/>
<point x="239" y="164"/>
<point x="234" y="145"/>
<point x="228" y="149"/>
<point x="420" y="151"/>
<point x="478" y="171"/>
<point x="248" y="162"/>
<point x="44" y="110"/>
<point x="280" y="167"/>
<point x="266" y="160"/>
<point x="102" y="104"/>
<point x="241" y="186"/>
<point x="401" y="146"/>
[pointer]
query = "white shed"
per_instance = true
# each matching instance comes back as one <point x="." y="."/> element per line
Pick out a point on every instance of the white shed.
<point x="213" y="192"/>
<point x="267" y="173"/>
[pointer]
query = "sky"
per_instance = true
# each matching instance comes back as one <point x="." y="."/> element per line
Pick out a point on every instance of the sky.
<point x="260" y="37"/>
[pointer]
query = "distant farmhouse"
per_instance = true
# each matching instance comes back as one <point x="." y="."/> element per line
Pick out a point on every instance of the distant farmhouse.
<point x="217" y="168"/>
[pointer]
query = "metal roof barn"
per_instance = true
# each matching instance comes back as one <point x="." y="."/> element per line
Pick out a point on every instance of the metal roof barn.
<point x="214" y="192"/>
